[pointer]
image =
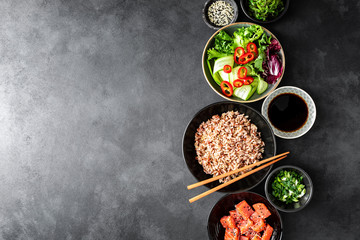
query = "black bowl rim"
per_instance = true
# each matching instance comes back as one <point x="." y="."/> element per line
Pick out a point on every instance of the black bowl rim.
<point x="311" y="186"/>
<point x="236" y="14"/>
<point x="212" y="209"/>
<point x="237" y="103"/>
<point x="245" y="11"/>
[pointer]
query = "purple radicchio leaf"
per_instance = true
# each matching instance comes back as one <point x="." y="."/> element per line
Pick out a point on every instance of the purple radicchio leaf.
<point x="272" y="66"/>
<point x="266" y="69"/>
<point x="271" y="79"/>
<point x="273" y="48"/>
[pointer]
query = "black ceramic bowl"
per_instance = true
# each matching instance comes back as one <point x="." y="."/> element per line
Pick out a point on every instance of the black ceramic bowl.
<point x="245" y="7"/>
<point x="291" y="207"/>
<point x="206" y="113"/>
<point x="206" y="17"/>
<point x="228" y="202"/>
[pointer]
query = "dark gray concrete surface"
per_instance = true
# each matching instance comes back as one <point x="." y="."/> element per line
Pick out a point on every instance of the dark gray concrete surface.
<point x="95" y="96"/>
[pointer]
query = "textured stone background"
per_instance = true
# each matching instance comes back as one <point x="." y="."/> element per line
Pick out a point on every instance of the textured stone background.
<point x="95" y="96"/>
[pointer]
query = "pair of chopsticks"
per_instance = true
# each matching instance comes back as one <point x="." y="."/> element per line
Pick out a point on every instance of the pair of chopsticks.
<point x="277" y="158"/>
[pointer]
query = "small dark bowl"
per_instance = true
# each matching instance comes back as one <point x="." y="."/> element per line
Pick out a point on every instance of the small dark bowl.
<point x="206" y="113"/>
<point x="228" y="202"/>
<point x="245" y="7"/>
<point x="291" y="207"/>
<point x="206" y="17"/>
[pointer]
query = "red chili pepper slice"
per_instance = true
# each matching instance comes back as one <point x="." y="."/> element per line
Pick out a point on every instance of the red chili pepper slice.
<point x="227" y="69"/>
<point x="238" y="83"/>
<point x="245" y="58"/>
<point x="239" y="51"/>
<point x="236" y="59"/>
<point x="242" y="72"/>
<point x="247" y="80"/>
<point x="226" y="88"/>
<point x="251" y="47"/>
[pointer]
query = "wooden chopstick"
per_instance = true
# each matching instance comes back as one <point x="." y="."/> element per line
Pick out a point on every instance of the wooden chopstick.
<point x="232" y="181"/>
<point x="234" y="171"/>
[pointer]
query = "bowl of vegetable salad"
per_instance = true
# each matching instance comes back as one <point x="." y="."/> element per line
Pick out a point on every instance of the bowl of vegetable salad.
<point x="289" y="188"/>
<point x="243" y="62"/>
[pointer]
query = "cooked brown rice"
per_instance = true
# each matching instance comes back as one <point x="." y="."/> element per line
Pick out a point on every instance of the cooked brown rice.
<point x="227" y="143"/>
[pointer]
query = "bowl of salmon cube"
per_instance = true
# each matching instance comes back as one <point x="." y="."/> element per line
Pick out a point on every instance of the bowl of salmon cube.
<point x="244" y="216"/>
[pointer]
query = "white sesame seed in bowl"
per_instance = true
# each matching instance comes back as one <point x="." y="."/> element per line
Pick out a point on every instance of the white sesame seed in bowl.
<point x="219" y="13"/>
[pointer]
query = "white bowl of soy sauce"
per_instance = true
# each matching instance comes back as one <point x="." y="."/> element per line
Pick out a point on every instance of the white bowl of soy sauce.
<point x="290" y="111"/>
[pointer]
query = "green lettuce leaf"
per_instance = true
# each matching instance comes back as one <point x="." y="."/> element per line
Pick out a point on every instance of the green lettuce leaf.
<point x="212" y="53"/>
<point x="245" y="35"/>
<point x="224" y="43"/>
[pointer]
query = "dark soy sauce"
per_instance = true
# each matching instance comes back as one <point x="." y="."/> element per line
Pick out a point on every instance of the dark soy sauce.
<point x="288" y="112"/>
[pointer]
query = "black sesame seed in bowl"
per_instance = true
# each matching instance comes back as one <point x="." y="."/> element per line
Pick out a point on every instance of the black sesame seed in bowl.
<point x="219" y="13"/>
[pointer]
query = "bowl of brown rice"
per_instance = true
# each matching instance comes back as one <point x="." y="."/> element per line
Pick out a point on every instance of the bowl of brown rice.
<point x="225" y="136"/>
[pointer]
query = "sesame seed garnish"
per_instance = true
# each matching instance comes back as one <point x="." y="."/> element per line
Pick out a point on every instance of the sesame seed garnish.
<point x="220" y="13"/>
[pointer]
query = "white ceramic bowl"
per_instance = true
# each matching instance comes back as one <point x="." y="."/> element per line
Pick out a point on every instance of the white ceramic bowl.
<point x="310" y="105"/>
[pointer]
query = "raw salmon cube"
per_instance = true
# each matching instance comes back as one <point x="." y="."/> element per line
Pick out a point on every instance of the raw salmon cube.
<point x="262" y="210"/>
<point x="245" y="225"/>
<point x="232" y="234"/>
<point x="255" y="217"/>
<point x="259" y="226"/>
<point x="268" y="232"/>
<point x="227" y="222"/>
<point x="244" y="209"/>
<point x="236" y="216"/>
